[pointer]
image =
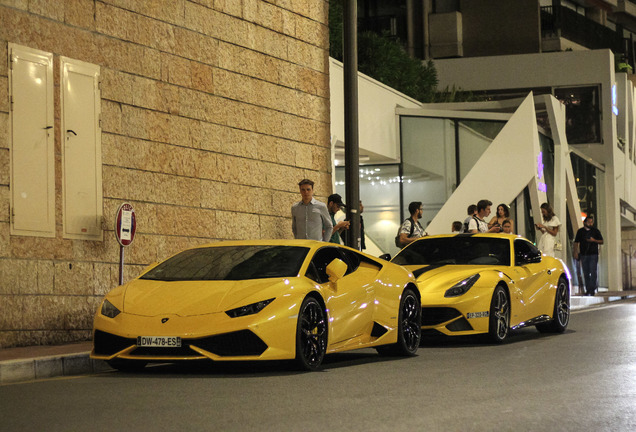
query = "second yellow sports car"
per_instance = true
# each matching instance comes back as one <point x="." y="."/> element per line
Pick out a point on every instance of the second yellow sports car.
<point x="259" y="300"/>
<point x="487" y="284"/>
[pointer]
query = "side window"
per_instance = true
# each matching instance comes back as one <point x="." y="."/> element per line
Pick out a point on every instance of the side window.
<point x="356" y="260"/>
<point x="526" y="252"/>
<point x="318" y="267"/>
<point x="352" y="260"/>
<point x="312" y="273"/>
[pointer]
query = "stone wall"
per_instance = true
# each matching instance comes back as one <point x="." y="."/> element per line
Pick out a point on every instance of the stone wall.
<point x="212" y="111"/>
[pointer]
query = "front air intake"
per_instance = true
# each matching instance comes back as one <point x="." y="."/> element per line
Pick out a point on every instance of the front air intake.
<point x="461" y="324"/>
<point x="432" y="316"/>
<point x="240" y="343"/>
<point x="108" y="344"/>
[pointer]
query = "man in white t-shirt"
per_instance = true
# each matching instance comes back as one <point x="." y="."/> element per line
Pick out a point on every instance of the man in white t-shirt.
<point x="471" y="211"/>
<point x="477" y="224"/>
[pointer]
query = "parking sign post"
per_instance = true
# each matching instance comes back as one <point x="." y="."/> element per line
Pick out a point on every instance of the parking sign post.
<point x="125" y="227"/>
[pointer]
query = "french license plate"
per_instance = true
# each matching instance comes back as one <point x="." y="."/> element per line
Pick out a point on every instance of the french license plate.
<point x="159" y="341"/>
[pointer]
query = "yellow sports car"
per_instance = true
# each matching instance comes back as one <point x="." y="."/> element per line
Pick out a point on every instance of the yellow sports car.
<point x="487" y="283"/>
<point x="259" y="300"/>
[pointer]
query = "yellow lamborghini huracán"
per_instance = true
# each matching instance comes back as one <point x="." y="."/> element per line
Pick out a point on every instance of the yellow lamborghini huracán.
<point x="259" y="300"/>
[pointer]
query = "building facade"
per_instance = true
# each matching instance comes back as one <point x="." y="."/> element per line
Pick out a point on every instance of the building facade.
<point x="203" y="115"/>
<point x="579" y="51"/>
<point x="478" y="28"/>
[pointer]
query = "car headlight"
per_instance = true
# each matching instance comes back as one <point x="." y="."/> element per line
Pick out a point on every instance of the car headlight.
<point x="460" y="288"/>
<point x="250" y="309"/>
<point x="109" y="310"/>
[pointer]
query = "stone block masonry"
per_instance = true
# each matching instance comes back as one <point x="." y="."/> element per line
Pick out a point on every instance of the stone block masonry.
<point x="211" y="112"/>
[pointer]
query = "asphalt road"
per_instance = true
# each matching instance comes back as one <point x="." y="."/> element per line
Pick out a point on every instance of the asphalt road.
<point x="582" y="380"/>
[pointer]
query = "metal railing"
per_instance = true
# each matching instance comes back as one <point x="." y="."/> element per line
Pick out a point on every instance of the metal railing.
<point x="393" y="25"/>
<point x="570" y="25"/>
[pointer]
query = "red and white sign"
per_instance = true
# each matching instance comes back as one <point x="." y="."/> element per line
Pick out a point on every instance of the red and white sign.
<point x="125" y="224"/>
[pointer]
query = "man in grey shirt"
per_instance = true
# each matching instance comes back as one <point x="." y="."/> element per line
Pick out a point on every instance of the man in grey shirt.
<point x="310" y="217"/>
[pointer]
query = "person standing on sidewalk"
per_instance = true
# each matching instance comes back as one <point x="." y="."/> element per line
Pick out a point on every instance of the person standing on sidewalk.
<point x="411" y="229"/>
<point x="549" y="230"/>
<point x="586" y="245"/>
<point x="310" y="217"/>
<point x="334" y="204"/>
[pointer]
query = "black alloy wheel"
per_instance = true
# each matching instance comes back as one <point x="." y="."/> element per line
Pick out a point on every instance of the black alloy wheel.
<point x="561" y="312"/>
<point x="499" y="324"/>
<point x="311" y="335"/>
<point x="409" y="327"/>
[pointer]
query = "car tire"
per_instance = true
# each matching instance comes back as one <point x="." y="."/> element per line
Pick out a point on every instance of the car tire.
<point x="499" y="319"/>
<point x="127" y="365"/>
<point x="561" y="311"/>
<point x="409" y="327"/>
<point x="311" y="335"/>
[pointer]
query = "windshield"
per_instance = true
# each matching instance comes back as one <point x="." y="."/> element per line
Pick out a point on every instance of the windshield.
<point x="456" y="250"/>
<point x="231" y="263"/>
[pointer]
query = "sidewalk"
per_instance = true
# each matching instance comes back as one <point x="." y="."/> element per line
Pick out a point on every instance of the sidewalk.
<point x="601" y="297"/>
<point x="39" y="362"/>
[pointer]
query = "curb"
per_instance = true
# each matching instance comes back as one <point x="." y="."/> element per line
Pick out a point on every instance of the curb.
<point x="21" y="370"/>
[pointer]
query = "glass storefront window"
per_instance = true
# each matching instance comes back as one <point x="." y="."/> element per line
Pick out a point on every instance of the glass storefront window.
<point x="428" y="163"/>
<point x="585" y="176"/>
<point x="433" y="162"/>
<point x="547" y="159"/>
<point x="380" y="196"/>
<point x="582" y="112"/>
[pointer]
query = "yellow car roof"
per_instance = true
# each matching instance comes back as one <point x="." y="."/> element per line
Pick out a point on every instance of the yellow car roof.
<point x="493" y="235"/>
<point x="266" y="242"/>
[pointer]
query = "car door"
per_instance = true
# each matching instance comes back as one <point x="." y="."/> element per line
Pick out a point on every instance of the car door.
<point x="530" y="276"/>
<point x="350" y="299"/>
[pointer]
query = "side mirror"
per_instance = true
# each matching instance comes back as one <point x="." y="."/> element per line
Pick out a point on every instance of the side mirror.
<point x="386" y="257"/>
<point x="336" y="270"/>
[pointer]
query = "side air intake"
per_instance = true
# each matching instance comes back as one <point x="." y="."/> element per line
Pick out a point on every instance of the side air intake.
<point x="378" y="330"/>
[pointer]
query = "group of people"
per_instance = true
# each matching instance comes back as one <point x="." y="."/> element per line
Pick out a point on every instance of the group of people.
<point x="476" y="220"/>
<point x="502" y="223"/>
<point x="313" y="219"/>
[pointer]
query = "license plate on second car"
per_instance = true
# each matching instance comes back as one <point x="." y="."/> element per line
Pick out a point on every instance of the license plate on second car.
<point x="159" y="341"/>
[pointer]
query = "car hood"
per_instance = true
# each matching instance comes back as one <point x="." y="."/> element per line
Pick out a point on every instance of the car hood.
<point x="431" y="278"/>
<point x="151" y="298"/>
